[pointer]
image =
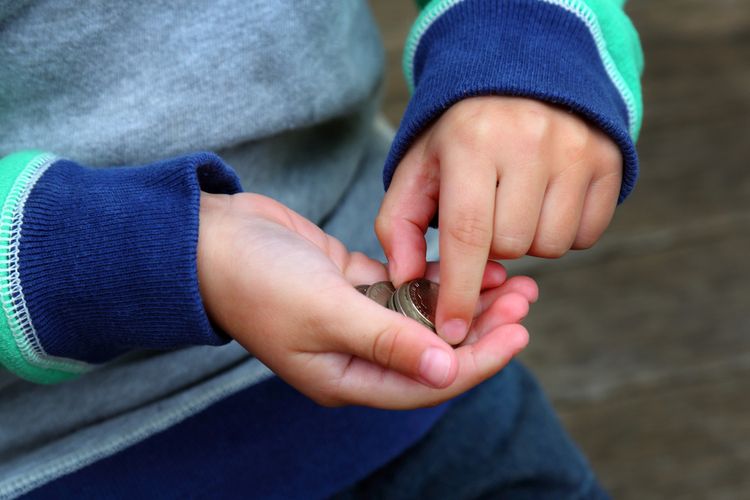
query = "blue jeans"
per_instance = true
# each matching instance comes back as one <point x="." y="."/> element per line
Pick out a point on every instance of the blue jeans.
<point x="501" y="441"/>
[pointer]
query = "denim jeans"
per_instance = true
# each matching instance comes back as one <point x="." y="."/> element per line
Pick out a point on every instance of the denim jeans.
<point x="502" y="440"/>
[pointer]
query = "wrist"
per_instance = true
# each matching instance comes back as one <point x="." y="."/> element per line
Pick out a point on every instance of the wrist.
<point x="208" y="249"/>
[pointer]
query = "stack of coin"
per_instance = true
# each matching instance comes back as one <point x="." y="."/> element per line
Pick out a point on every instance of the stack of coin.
<point x="415" y="299"/>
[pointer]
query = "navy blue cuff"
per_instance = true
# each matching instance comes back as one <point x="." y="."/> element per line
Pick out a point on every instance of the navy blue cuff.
<point x="107" y="257"/>
<point x="519" y="48"/>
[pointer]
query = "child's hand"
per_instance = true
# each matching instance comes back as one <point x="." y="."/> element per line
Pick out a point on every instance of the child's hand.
<point x="510" y="176"/>
<point x="284" y="290"/>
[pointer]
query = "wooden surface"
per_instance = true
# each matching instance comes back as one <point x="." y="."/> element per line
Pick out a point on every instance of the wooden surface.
<point x="643" y="342"/>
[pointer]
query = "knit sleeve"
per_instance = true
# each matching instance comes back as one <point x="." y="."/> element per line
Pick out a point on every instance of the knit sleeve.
<point x="98" y="262"/>
<point x="581" y="54"/>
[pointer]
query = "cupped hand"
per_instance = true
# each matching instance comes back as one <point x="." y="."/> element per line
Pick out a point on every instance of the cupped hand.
<point x="508" y="177"/>
<point x="283" y="289"/>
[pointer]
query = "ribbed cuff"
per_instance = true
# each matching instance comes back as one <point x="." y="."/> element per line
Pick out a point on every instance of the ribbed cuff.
<point x="527" y="48"/>
<point x="106" y="261"/>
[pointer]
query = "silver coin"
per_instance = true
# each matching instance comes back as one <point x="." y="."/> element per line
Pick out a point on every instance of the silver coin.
<point x="417" y="300"/>
<point x="392" y="304"/>
<point x="399" y="304"/>
<point x="381" y="292"/>
<point x="423" y="297"/>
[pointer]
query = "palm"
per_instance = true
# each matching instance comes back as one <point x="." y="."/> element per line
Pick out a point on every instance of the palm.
<point x="283" y="289"/>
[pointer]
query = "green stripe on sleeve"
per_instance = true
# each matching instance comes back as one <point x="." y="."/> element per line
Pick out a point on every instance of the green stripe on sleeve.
<point x="20" y="352"/>
<point x="431" y="12"/>
<point x="624" y="47"/>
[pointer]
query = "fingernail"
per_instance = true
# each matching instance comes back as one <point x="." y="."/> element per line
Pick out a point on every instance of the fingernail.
<point x="391" y="268"/>
<point x="454" y="331"/>
<point x="435" y="366"/>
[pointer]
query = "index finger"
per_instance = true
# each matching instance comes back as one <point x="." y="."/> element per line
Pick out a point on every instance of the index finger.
<point x="468" y="182"/>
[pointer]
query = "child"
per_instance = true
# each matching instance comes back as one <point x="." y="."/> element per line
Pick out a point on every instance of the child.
<point x="118" y="280"/>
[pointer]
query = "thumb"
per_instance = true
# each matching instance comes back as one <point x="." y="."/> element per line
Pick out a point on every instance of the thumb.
<point x="396" y="343"/>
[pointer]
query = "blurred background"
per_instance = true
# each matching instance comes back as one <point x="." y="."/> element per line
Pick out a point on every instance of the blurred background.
<point x="643" y="342"/>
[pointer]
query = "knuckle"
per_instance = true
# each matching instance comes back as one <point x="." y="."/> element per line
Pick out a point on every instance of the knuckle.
<point x="609" y="152"/>
<point x="383" y="224"/>
<point x="611" y="174"/>
<point x="550" y="250"/>
<point x="577" y="143"/>
<point x="470" y="232"/>
<point x="585" y="241"/>
<point x="607" y="187"/>
<point x="605" y="156"/>
<point x="475" y="138"/>
<point x="533" y="128"/>
<point x="384" y="345"/>
<point x="509" y="247"/>
<point x="474" y="129"/>
<point x="588" y="235"/>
